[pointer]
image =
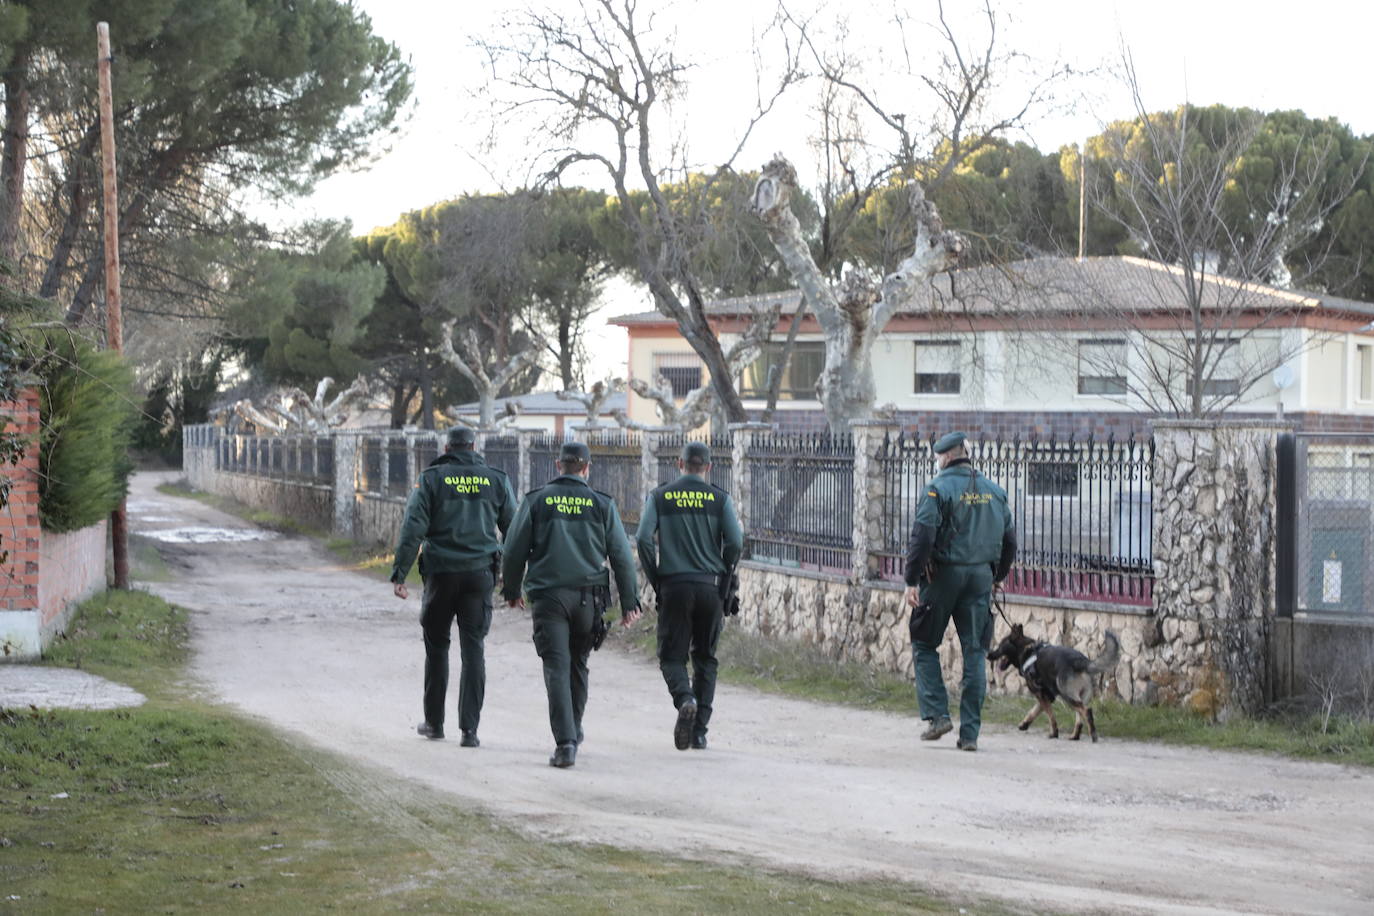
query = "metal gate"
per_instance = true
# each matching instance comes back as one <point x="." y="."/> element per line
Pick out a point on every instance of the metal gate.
<point x="1326" y="524"/>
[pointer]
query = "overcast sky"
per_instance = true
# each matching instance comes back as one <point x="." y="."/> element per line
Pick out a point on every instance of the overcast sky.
<point x="1312" y="56"/>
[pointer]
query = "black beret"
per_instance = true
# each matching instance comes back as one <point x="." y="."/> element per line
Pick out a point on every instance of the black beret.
<point x="947" y="442"/>
<point x="575" y="451"/>
<point x="462" y="435"/>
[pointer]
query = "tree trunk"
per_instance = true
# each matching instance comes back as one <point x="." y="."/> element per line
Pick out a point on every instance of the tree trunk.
<point x="565" y="352"/>
<point x="399" y="400"/>
<point x="78" y="186"/>
<point x="426" y="394"/>
<point x="14" y="153"/>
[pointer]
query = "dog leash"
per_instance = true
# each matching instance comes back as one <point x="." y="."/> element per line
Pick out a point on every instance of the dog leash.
<point x="999" y="601"/>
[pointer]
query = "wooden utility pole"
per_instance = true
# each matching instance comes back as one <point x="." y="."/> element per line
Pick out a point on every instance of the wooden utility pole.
<point x="114" y="315"/>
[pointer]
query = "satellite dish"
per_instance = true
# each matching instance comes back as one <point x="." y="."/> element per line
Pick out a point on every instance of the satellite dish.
<point x="1283" y="377"/>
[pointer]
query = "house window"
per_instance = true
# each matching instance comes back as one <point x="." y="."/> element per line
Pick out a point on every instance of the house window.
<point x="1224" y="370"/>
<point x="1101" y="365"/>
<point x="682" y="370"/>
<point x="1364" y="365"/>
<point x="799" y="376"/>
<point x="937" y="366"/>
<point x="1052" y="478"/>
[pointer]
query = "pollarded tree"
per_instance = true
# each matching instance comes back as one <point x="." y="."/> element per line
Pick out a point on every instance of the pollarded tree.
<point x="853" y="313"/>
<point x="879" y="151"/>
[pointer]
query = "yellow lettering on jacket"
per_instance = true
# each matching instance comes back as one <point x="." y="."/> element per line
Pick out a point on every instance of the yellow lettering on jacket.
<point x="568" y="505"/>
<point x="467" y="485"/>
<point x="690" y="499"/>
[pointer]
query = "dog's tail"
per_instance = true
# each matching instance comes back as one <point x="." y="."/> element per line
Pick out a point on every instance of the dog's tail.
<point x="1110" y="653"/>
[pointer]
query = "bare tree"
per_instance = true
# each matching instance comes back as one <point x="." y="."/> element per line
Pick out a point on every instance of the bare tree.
<point x="594" y="400"/>
<point x="604" y="70"/>
<point x="463" y="349"/>
<point x="1202" y="330"/>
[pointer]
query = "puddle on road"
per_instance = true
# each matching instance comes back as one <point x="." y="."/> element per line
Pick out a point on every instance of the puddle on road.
<point x="204" y="534"/>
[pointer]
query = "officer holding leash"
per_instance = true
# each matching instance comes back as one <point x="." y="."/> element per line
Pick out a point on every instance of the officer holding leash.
<point x="962" y="542"/>
<point x="689" y="540"/>
<point x="458" y="504"/>
<point x="564" y="532"/>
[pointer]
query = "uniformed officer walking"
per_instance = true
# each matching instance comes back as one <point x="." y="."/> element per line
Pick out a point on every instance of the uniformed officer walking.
<point x="689" y="540"/>
<point x="565" y="532"/>
<point x="455" y="509"/>
<point x="962" y="542"/>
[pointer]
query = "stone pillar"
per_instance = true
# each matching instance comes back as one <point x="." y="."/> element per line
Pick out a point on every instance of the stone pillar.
<point x="1214" y="551"/>
<point x="742" y="437"/>
<point x="649" y="441"/>
<point x="345" y="482"/>
<point x="870" y="495"/>
<point x="523" y="482"/>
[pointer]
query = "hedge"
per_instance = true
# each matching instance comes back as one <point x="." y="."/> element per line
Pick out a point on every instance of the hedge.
<point x="88" y="416"/>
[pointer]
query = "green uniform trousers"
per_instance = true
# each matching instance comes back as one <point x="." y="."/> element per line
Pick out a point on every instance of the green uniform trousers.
<point x="965" y="594"/>
<point x="689" y="623"/>
<point x="563" y="638"/>
<point x="465" y="597"/>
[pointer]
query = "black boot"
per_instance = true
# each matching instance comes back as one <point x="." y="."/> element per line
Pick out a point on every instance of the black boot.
<point x="564" y="756"/>
<point x="686" y="724"/>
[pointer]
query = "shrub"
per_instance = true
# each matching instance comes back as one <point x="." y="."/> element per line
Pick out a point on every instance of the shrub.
<point x="88" y="416"/>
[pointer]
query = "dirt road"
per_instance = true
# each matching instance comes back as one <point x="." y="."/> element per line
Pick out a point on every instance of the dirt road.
<point x="284" y="634"/>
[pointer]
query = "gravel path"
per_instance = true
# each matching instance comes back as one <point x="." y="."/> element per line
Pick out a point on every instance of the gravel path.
<point x="284" y="634"/>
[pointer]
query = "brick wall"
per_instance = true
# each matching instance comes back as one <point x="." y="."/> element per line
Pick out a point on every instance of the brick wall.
<point x="45" y="573"/>
<point x="19" y="532"/>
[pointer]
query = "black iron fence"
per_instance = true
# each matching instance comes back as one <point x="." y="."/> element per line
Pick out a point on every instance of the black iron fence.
<point x="306" y="459"/>
<point x="503" y="453"/>
<point x="617" y="470"/>
<point x="801" y="501"/>
<point x="1083" y="512"/>
<point x="544" y="450"/>
<point x="669" y="450"/>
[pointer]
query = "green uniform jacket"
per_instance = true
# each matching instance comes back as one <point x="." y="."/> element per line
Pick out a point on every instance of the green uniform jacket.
<point x="698" y="531"/>
<point x="455" y="509"/>
<point x="565" y="532"/>
<point x="962" y="519"/>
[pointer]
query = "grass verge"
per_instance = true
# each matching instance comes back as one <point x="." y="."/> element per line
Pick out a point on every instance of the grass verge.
<point x="178" y="806"/>
<point x="802" y="671"/>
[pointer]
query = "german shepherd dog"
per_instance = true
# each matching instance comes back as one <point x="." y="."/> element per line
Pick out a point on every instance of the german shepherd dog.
<point x="1055" y="671"/>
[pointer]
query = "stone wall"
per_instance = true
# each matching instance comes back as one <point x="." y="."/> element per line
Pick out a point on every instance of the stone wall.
<point x="868" y="624"/>
<point x="377" y="519"/>
<point x="309" y="504"/>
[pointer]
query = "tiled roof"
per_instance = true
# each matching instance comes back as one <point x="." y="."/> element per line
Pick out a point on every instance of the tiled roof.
<point x="1060" y="285"/>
